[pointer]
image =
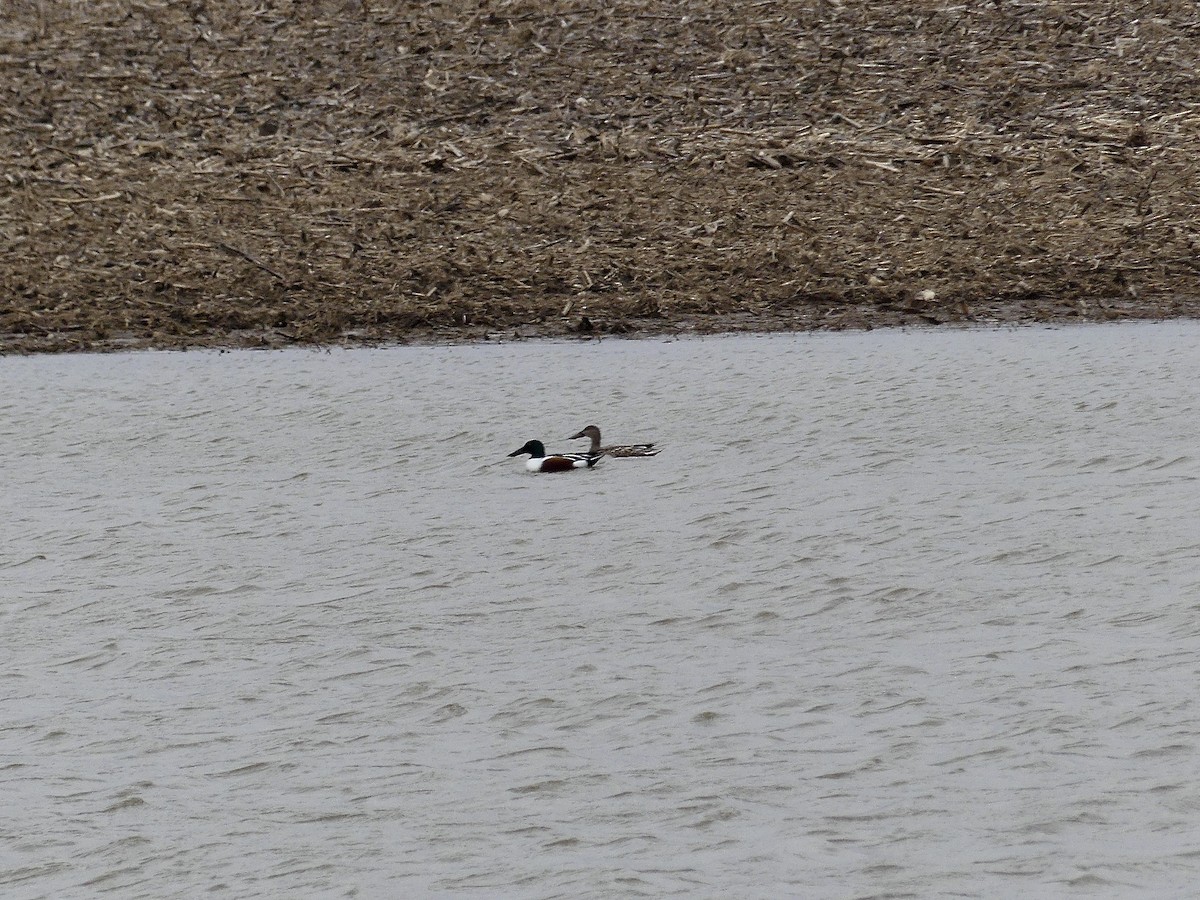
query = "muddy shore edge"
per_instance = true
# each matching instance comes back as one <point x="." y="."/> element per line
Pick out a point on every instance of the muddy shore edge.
<point x="224" y="174"/>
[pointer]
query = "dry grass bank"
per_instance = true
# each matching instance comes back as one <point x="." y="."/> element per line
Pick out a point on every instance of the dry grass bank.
<point x="222" y="172"/>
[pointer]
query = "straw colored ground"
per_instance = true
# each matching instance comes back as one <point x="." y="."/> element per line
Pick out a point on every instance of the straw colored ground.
<point x="222" y="172"/>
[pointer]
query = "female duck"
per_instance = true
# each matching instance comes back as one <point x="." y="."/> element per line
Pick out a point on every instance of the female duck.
<point x="623" y="450"/>
<point x="557" y="462"/>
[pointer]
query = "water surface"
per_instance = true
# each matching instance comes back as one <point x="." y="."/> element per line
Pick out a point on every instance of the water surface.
<point x="893" y="614"/>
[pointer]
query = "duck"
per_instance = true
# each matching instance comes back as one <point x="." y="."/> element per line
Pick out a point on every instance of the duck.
<point x="556" y="462"/>
<point x="616" y="450"/>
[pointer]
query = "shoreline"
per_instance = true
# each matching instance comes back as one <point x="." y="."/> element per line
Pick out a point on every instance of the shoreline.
<point x="712" y="325"/>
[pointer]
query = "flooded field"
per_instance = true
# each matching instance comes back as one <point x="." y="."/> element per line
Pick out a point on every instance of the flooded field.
<point x="892" y="614"/>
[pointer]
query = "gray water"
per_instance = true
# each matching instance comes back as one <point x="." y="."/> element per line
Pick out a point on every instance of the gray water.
<point x="893" y="614"/>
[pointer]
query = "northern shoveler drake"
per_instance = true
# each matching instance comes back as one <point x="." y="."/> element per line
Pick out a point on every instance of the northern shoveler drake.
<point x="556" y="462"/>
<point x="616" y="450"/>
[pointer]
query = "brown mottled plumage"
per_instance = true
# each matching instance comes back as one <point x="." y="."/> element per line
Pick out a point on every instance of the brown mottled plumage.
<point x="616" y="450"/>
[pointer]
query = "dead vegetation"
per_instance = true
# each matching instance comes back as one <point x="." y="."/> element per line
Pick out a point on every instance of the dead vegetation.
<point x="216" y="172"/>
